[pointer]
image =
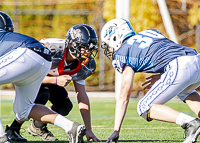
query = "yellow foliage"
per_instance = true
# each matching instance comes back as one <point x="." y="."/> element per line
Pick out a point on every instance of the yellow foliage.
<point x="143" y="15"/>
<point x="109" y="9"/>
<point x="194" y="14"/>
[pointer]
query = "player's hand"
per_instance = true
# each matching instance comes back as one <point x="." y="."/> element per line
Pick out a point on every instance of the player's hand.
<point x="63" y="80"/>
<point x="90" y="135"/>
<point x="113" y="137"/>
<point x="151" y="80"/>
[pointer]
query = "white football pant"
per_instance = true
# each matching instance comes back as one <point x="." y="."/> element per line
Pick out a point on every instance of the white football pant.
<point x="181" y="78"/>
<point x="26" y="70"/>
<point x="2" y="132"/>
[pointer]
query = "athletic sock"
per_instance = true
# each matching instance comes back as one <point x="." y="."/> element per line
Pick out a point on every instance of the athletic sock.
<point x="38" y="124"/>
<point x="183" y="119"/>
<point x="63" y="122"/>
<point x="15" y="126"/>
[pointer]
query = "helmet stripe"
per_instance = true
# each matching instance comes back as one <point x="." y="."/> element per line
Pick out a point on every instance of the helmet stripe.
<point x="129" y="34"/>
<point x="128" y="24"/>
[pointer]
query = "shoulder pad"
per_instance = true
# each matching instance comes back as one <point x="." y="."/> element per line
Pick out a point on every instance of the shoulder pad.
<point x="57" y="48"/>
<point x="86" y="70"/>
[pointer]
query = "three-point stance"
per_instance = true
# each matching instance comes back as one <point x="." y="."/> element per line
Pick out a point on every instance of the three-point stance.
<point x="25" y="62"/>
<point x="72" y="59"/>
<point x="150" y="51"/>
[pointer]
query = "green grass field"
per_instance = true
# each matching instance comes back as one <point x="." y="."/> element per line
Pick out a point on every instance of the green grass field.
<point x="134" y="128"/>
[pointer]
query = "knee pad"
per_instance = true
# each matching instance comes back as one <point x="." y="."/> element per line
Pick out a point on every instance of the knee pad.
<point x="145" y="115"/>
<point x="63" y="109"/>
<point x="43" y="96"/>
<point x="143" y="109"/>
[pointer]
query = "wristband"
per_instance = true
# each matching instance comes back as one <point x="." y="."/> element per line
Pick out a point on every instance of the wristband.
<point x="56" y="81"/>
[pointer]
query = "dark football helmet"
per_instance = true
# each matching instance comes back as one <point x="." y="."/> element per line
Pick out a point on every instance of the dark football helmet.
<point x="6" y="22"/>
<point x="82" y="36"/>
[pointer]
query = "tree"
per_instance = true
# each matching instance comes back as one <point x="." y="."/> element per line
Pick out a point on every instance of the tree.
<point x="143" y="15"/>
<point x="194" y="15"/>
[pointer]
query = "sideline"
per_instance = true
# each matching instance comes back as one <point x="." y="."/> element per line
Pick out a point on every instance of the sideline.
<point x="10" y="94"/>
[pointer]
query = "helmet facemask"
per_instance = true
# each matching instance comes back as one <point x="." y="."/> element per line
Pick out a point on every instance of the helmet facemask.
<point x="85" y="56"/>
<point x="108" y="51"/>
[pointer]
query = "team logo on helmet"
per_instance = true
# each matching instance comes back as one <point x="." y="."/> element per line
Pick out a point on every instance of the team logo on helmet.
<point x="76" y="34"/>
<point x="110" y="31"/>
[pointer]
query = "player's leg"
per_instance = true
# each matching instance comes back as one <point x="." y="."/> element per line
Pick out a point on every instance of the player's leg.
<point x="192" y="128"/>
<point x="14" y="129"/>
<point x="13" y="132"/>
<point x="151" y="105"/>
<point x="43" y="95"/>
<point x="75" y="131"/>
<point x="58" y="96"/>
<point x="193" y="102"/>
<point x="169" y="85"/>
<point x="31" y="86"/>
<point x="38" y="128"/>
<point x="7" y="74"/>
<point x="3" y="137"/>
<point x="2" y="132"/>
<point x="31" y="69"/>
<point x="61" y="103"/>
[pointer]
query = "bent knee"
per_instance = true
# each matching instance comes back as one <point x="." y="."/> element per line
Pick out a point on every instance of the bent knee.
<point x="23" y="114"/>
<point x="63" y="110"/>
<point x="143" y="110"/>
<point x="43" y="96"/>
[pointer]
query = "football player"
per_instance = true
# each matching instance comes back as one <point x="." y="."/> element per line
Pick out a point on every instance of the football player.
<point x="25" y="62"/>
<point x="73" y="60"/>
<point x="150" y="51"/>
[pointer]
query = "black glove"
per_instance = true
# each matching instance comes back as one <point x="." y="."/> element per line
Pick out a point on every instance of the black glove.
<point x="113" y="137"/>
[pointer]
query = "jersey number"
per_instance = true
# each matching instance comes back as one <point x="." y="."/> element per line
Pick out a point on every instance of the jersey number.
<point x="145" y="42"/>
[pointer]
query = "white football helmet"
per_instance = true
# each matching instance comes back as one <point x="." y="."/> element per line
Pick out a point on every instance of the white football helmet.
<point x="113" y="33"/>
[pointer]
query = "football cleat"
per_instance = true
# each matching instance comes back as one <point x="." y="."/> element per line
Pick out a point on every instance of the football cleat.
<point x="14" y="136"/>
<point x="75" y="135"/>
<point x="43" y="132"/>
<point x="192" y="130"/>
<point x="4" y="139"/>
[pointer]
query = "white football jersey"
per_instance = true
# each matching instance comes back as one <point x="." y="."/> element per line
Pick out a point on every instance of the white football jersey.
<point x="59" y="67"/>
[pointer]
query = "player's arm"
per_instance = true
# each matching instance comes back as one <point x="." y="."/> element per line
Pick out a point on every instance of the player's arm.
<point x="122" y="102"/>
<point x="84" y="106"/>
<point x="62" y="80"/>
<point x="49" y="80"/>
<point x="83" y="102"/>
<point x="123" y="98"/>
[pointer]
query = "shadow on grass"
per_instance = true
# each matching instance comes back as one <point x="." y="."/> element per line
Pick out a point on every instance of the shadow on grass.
<point x="120" y="141"/>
